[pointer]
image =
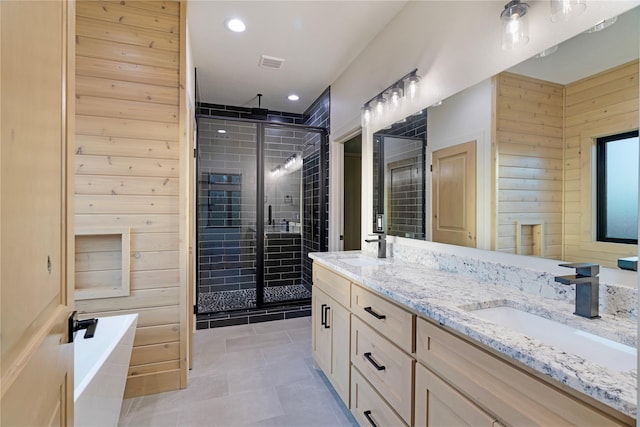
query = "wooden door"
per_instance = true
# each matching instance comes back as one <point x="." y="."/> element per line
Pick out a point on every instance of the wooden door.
<point x="454" y="195"/>
<point x="36" y="109"/>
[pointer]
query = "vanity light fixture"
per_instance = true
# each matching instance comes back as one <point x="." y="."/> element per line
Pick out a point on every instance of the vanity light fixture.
<point x="407" y="85"/>
<point x="515" y="24"/>
<point x="605" y="23"/>
<point x="236" y="25"/>
<point x="563" y="10"/>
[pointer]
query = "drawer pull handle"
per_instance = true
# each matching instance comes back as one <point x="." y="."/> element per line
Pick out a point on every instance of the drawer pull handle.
<point x="326" y="317"/>
<point x="367" y="415"/>
<point x="374" y="314"/>
<point x="373" y="362"/>
<point x="323" y="320"/>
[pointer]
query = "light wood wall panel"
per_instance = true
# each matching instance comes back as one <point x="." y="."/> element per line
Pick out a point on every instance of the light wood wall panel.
<point x="127" y="170"/>
<point x="528" y="150"/>
<point x="602" y="104"/>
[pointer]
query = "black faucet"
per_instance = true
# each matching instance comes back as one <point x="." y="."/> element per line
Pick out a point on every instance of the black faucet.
<point x="382" y="244"/>
<point x="587" y="288"/>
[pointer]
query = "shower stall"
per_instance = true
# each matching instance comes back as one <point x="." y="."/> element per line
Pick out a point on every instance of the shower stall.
<point x="260" y="211"/>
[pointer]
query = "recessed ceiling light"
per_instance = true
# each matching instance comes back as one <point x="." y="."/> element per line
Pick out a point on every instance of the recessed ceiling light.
<point x="235" y="25"/>
<point x="222" y="131"/>
<point x="293" y="97"/>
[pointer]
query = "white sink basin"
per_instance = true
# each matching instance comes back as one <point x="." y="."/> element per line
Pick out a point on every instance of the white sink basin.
<point x="360" y="261"/>
<point x="594" y="348"/>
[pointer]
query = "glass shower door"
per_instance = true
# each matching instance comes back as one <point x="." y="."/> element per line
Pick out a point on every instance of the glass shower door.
<point x="227" y="194"/>
<point x="292" y="200"/>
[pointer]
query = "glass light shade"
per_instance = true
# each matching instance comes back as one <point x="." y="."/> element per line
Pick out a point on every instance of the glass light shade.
<point x="563" y="10"/>
<point x="366" y="114"/>
<point x="412" y="86"/>
<point x="515" y="25"/>
<point x="394" y="97"/>
<point x="380" y="106"/>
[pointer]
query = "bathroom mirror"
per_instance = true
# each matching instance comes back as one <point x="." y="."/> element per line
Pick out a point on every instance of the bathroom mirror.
<point x="533" y="128"/>
<point x="399" y="183"/>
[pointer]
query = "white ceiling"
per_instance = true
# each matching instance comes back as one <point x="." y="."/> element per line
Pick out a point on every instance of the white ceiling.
<point x="317" y="40"/>
<point x="588" y="53"/>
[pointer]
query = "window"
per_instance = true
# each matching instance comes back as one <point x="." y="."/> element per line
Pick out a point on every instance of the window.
<point x="617" y="188"/>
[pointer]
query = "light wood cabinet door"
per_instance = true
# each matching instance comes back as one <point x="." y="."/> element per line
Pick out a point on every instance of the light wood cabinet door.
<point x="439" y="405"/>
<point x="36" y="108"/>
<point x="339" y="324"/>
<point x="512" y="394"/>
<point x="331" y="333"/>
<point x="321" y="334"/>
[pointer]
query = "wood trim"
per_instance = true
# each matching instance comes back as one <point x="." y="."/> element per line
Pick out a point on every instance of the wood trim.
<point x="185" y="201"/>
<point x="494" y="164"/>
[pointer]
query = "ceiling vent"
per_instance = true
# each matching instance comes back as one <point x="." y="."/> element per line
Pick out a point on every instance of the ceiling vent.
<point x="271" y="62"/>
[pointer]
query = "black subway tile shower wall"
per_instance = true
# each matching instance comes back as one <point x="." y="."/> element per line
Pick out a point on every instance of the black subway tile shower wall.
<point x="318" y="115"/>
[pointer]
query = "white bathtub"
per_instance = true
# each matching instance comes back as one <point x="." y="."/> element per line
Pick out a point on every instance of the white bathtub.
<point x="100" y="370"/>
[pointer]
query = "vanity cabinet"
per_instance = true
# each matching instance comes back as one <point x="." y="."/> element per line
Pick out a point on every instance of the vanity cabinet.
<point x="393" y="368"/>
<point x="484" y="384"/>
<point x="331" y="329"/>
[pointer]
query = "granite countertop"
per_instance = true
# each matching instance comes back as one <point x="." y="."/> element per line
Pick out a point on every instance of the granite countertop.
<point x="447" y="298"/>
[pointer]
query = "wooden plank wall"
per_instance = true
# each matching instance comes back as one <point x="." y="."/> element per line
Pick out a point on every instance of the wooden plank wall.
<point x="528" y="146"/>
<point x="127" y="169"/>
<point x="605" y="103"/>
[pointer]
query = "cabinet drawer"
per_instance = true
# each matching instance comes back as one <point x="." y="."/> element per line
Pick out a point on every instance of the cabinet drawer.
<point x="368" y="407"/>
<point x="438" y="404"/>
<point x="515" y="396"/>
<point x="334" y="285"/>
<point x="395" y="323"/>
<point x="384" y="365"/>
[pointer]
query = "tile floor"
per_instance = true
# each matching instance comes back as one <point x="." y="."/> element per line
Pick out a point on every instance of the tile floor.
<point x="249" y="375"/>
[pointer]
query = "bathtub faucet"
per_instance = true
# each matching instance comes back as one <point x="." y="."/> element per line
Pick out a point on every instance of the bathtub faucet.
<point x="75" y="325"/>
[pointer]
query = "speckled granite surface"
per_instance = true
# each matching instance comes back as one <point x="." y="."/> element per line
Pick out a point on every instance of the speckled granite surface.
<point x="447" y="297"/>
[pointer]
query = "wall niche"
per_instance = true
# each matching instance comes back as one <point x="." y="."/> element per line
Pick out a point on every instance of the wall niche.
<point x="102" y="263"/>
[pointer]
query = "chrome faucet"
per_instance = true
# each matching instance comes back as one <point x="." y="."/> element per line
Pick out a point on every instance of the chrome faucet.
<point x="382" y="244"/>
<point x="587" y="288"/>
